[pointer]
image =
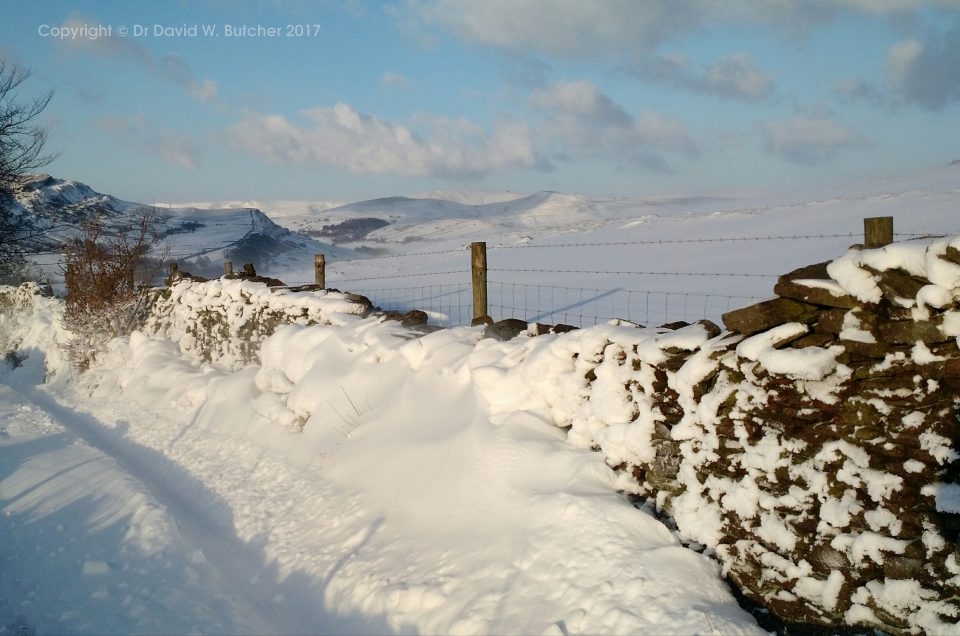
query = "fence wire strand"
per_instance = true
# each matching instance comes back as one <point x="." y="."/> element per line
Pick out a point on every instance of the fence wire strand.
<point x="717" y="239"/>
<point x="631" y="273"/>
<point x="451" y="304"/>
<point x="581" y="306"/>
<point x="391" y="276"/>
<point x="446" y="305"/>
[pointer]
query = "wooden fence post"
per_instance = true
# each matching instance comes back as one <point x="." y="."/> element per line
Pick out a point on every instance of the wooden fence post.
<point x="320" y="271"/>
<point x="228" y="268"/>
<point x="878" y="231"/>
<point x="478" y="267"/>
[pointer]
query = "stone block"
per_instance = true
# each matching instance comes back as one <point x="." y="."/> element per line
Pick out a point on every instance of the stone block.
<point x="768" y="314"/>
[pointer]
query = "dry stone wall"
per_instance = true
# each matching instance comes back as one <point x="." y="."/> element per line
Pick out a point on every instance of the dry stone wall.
<point x="813" y="445"/>
<point x="224" y="321"/>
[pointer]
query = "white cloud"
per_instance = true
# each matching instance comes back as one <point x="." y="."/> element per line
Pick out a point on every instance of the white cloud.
<point x="734" y="76"/>
<point x="394" y="80"/>
<point x="627" y="32"/>
<point x="579" y="120"/>
<point x="900" y="60"/>
<point x="591" y="27"/>
<point x="580" y="99"/>
<point x="527" y="72"/>
<point x="926" y="72"/>
<point x="619" y="28"/>
<point x="171" y="67"/>
<point x="858" y="89"/>
<point x="882" y="7"/>
<point x="108" y="46"/>
<point x="737" y="75"/>
<point x="175" y="69"/>
<point x="170" y="147"/>
<point x="345" y="138"/>
<point x="809" y="140"/>
<point x="923" y="71"/>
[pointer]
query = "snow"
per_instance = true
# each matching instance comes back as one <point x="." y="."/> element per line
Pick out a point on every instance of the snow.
<point x="852" y="330"/>
<point x="858" y="282"/>
<point x="240" y="306"/>
<point x="593" y="258"/>
<point x="353" y="476"/>
<point x="337" y="499"/>
<point x="808" y="363"/>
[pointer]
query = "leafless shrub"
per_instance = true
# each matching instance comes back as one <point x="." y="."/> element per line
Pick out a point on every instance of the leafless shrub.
<point x="105" y="270"/>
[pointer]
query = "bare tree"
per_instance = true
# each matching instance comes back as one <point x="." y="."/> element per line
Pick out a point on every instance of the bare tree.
<point x="22" y="141"/>
<point x="106" y="270"/>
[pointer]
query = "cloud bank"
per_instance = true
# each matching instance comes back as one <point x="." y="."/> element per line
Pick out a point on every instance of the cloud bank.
<point x="808" y="140"/>
<point x="342" y="137"/>
<point x="170" y="147"/>
<point x="171" y="68"/>
<point x="580" y="120"/>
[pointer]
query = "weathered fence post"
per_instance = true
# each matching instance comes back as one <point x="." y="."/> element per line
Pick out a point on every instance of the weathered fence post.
<point x="320" y="271"/>
<point x="228" y="268"/>
<point x="478" y="267"/>
<point x="878" y="231"/>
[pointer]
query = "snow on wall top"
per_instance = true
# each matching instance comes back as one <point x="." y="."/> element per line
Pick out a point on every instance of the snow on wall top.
<point x="226" y="320"/>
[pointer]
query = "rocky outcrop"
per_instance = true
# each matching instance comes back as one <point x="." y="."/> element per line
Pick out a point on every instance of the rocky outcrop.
<point x="813" y="446"/>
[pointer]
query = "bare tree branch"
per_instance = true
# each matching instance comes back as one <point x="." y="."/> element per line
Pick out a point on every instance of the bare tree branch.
<point x="22" y="142"/>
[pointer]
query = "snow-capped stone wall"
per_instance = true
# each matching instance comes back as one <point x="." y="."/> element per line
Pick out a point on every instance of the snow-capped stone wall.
<point x="226" y="320"/>
<point x="16" y="304"/>
<point x="31" y="331"/>
<point x="813" y="445"/>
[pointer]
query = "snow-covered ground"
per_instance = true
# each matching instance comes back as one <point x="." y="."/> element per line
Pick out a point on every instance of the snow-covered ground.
<point x="359" y="480"/>
<point x="580" y="260"/>
<point x="363" y="480"/>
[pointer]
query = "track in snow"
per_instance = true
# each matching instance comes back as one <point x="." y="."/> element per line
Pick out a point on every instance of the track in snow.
<point x="126" y="539"/>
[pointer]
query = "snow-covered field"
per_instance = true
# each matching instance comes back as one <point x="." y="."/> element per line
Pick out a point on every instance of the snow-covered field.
<point x="579" y="260"/>
<point x="363" y="480"/>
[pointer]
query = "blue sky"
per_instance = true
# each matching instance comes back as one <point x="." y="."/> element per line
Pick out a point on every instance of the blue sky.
<point x="352" y="100"/>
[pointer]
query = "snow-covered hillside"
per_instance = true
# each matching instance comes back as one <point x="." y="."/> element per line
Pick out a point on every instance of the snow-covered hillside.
<point x="199" y="239"/>
<point x="582" y="260"/>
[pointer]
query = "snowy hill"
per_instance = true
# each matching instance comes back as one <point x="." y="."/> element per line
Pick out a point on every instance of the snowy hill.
<point x="199" y="239"/>
<point x="573" y="258"/>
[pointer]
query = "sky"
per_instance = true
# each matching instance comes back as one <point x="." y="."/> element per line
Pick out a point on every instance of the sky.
<point x="349" y="100"/>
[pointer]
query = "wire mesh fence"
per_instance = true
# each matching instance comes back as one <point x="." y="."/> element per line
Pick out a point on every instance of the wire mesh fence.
<point x="581" y="307"/>
<point x="451" y="305"/>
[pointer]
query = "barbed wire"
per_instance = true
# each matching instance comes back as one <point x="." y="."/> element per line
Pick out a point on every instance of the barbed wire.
<point x="391" y="276"/>
<point x="718" y="239"/>
<point x="621" y="290"/>
<point x="458" y="250"/>
<point x="449" y="287"/>
<point x="630" y="273"/>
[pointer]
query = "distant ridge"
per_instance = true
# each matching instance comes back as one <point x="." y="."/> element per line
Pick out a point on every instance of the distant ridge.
<point x="199" y="239"/>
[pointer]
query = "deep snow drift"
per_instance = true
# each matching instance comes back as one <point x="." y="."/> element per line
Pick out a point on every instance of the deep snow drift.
<point x="358" y="480"/>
